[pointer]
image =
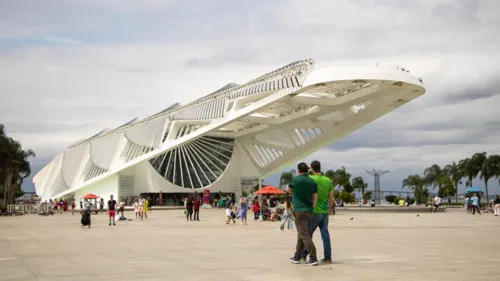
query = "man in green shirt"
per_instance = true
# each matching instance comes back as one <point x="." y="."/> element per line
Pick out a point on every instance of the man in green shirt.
<point x="304" y="192"/>
<point x="322" y="210"/>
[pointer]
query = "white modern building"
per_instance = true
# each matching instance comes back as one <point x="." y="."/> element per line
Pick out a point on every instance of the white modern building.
<point x="229" y="138"/>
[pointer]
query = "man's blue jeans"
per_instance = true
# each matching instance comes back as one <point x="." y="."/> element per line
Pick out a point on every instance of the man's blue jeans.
<point x="321" y="221"/>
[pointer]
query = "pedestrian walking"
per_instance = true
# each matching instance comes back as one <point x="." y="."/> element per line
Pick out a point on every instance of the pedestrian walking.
<point x="304" y="192"/>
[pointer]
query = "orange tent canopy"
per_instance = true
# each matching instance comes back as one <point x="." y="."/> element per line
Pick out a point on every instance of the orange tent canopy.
<point x="270" y="190"/>
<point x="90" y="196"/>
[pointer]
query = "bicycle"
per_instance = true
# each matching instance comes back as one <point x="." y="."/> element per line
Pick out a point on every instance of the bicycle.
<point x="486" y="208"/>
<point x="469" y="208"/>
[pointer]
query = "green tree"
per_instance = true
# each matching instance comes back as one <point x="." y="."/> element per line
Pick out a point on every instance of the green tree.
<point x="468" y="170"/>
<point x="417" y="184"/>
<point x="471" y="167"/>
<point x="456" y="174"/>
<point x="330" y="174"/>
<point x="347" y="197"/>
<point x="336" y="193"/>
<point x="391" y="199"/>
<point x="14" y="166"/>
<point x="447" y="187"/>
<point x="497" y="170"/>
<point x="359" y="184"/>
<point x="368" y="195"/>
<point x="342" y="178"/>
<point x="286" y="178"/>
<point x="489" y="169"/>
<point x="432" y="176"/>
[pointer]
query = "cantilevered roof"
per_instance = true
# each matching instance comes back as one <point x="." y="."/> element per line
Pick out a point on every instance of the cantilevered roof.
<point x="231" y="90"/>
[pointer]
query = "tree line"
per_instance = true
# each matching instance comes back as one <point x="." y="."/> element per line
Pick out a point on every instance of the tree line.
<point x="447" y="178"/>
<point x="341" y="180"/>
<point x="14" y="167"/>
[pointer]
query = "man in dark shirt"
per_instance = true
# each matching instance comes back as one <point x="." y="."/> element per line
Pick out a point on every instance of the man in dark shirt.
<point x="272" y="202"/>
<point x="229" y="211"/>
<point x="111" y="210"/>
<point x="304" y="192"/>
<point x="196" y="208"/>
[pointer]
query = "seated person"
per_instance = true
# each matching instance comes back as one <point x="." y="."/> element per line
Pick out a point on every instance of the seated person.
<point x="274" y="216"/>
<point x="86" y="219"/>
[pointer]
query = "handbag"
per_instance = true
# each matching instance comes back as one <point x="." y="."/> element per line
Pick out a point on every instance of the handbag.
<point x="185" y="212"/>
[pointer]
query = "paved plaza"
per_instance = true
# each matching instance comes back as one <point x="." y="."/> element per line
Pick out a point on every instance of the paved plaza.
<point x="372" y="246"/>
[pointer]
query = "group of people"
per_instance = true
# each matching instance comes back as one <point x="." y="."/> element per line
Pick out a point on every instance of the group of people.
<point x="141" y="208"/>
<point x="115" y="211"/>
<point x="268" y="209"/>
<point x="310" y="205"/>
<point x="435" y="203"/>
<point x="192" y="206"/>
<point x="232" y="211"/>
<point x="61" y="205"/>
<point x="474" y="202"/>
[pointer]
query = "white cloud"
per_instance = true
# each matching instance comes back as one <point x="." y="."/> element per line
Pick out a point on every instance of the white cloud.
<point x="99" y="64"/>
<point x="60" y="40"/>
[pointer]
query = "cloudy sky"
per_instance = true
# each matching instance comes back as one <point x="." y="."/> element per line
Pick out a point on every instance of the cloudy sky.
<point x="70" y="68"/>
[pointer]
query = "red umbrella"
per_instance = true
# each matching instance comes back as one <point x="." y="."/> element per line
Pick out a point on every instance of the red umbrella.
<point x="90" y="196"/>
<point x="270" y="190"/>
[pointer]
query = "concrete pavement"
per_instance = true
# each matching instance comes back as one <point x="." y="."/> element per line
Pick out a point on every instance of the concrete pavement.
<point x="372" y="246"/>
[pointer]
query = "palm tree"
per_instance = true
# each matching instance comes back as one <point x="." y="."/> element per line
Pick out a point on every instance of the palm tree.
<point x="417" y="184"/>
<point x="286" y="178"/>
<point x="456" y="174"/>
<point x="3" y="157"/>
<point x="468" y="170"/>
<point x="432" y="176"/>
<point x="447" y="187"/>
<point x="413" y="182"/>
<point x="341" y="177"/>
<point x="359" y="183"/>
<point x="497" y="170"/>
<point x="330" y="174"/>
<point x="14" y="165"/>
<point x="488" y="169"/>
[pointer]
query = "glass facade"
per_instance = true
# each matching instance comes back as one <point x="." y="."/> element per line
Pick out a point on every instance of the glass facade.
<point x="195" y="164"/>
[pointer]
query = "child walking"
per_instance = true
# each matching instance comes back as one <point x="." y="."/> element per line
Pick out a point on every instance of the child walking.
<point x="256" y="210"/>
